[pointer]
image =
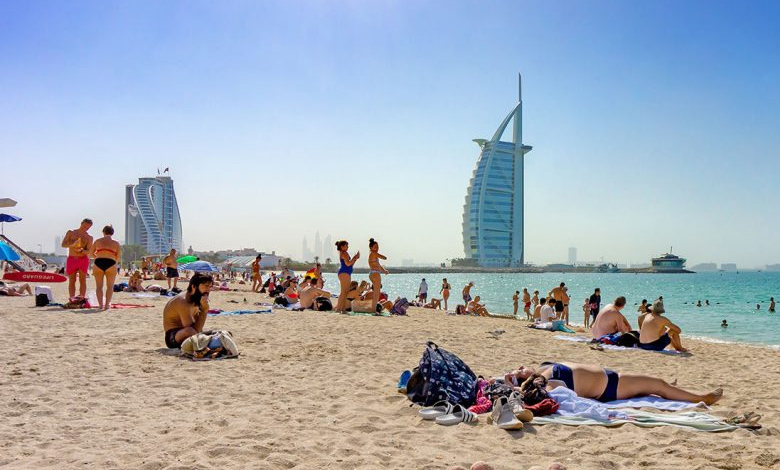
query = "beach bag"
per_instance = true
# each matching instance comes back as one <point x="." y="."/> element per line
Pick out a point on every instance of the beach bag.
<point x="281" y="301"/>
<point x="210" y="345"/>
<point x="629" y="339"/>
<point x="400" y="306"/>
<point x="41" y="300"/>
<point x="439" y="376"/>
<point x="323" y="304"/>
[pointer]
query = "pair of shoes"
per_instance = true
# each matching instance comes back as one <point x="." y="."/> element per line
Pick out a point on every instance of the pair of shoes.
<point x="503" y="416"/>
<point x="516" y="402"/>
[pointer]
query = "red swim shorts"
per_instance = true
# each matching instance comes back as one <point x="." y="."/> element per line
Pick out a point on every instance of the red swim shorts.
<point x="76" y="263"/>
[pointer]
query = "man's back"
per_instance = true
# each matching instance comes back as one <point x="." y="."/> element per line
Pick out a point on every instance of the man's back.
<point x="609" y="321"/>
<point x="653" y="326"/>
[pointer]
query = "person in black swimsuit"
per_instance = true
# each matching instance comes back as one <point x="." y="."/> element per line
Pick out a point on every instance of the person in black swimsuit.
<point x="107" y="253"/>
<point x="606" y="385"/>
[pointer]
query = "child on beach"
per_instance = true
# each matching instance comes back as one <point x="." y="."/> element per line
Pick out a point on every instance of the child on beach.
<point x="586" y="312"/>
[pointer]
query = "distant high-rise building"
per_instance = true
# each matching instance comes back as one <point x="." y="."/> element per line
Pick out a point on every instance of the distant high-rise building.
<point x="306" y="253"/>
<point x="572" y="255"/>
<point x="493" y="212"/>
<point x="317" y="245"/>
<point x="59" y="250"/>
<point x="152" y="217"/>
<point x="328" y="248"/>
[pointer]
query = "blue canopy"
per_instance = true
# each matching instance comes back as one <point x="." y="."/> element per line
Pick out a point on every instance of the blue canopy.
<point x="7" y="253"/>
<point x="200" y="266"/>
<point x="9" y="218"/>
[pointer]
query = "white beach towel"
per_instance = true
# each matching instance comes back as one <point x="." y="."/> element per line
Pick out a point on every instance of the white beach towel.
<point x="577" y="411"/>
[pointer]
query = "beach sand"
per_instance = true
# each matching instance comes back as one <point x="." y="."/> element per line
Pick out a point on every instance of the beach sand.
<point x="317" y="391"/>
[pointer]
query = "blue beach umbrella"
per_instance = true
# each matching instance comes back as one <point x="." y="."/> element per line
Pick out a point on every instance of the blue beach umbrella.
<point x="200" y="267"/>
<point x="7" y="253"/>
<point x="7" y="218"/>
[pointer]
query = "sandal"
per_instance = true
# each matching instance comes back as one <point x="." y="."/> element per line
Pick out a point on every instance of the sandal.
<point x="439" y="409"/>
<point x="458" y="414"/>
<point x="403" y="380"/>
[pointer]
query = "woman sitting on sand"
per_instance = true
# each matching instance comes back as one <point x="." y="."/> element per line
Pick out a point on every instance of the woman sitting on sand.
<point x="476" y="308"/>
<point x="606" y="385"/>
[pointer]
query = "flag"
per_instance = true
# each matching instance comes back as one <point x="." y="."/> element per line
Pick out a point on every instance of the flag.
<point x="166" y="170"/>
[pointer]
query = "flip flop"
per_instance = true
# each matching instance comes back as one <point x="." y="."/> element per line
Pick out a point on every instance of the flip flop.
<point x="403" y="380"/>
<point x="439" y="409"/>
<point x="457" y="415"/>
<point x="503" y="416"/>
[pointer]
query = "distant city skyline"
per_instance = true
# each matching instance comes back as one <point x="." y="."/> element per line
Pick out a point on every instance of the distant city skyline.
<point x="652" y="125"/>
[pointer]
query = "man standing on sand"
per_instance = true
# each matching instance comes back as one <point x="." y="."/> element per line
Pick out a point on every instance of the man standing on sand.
<point x="595" y="305"/>
<point x="422" y="293"/>
<point x="467" y="293"/>
<point x="526" y="303"/>
<point x="515" y="300"/>
<point x="657" y="332"/>
<point x="79" y="243"/>
<point x="185" y="314"/>
<point x="171" y="268"/>
<point x="610" y="320"/>
<point x="257" y="281"/>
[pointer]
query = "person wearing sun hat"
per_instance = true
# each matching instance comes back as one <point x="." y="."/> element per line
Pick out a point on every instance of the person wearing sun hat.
<point x="657" y="332"/>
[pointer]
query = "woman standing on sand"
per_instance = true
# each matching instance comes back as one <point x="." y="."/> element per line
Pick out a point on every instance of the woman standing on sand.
<point x="345" y="273"/>
<point x="445" y="291"/>
<point x="376" y="271"/>
<point x="107" y="253"/>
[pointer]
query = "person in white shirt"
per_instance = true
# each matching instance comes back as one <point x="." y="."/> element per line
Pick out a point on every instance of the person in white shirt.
<point x="422" y="293"/>
<point x="548" y="311"/>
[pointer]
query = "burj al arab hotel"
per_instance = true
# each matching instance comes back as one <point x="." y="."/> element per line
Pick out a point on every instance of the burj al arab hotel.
<point x="493" y="212"/>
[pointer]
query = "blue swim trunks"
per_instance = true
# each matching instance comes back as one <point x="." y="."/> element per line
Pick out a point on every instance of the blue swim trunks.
<point x="658" y="345"/>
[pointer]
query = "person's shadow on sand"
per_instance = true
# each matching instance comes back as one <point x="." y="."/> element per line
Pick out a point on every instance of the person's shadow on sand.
<point x="169" y="352"/>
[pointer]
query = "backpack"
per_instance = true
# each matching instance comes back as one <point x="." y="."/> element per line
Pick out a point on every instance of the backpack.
<point x="629" y="339"/>
<point x="41" y="300"/>
<point x="210" y="345"/>
<point x="441" y="375"/>
<point x="323" y="304"/>
<point x="400" y="306"/>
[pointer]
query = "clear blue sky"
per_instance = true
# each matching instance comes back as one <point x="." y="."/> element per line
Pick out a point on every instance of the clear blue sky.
<point x="653" y="123"/>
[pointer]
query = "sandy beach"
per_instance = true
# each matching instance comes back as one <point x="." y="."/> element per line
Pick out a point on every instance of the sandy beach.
<point x="88" y="389"/>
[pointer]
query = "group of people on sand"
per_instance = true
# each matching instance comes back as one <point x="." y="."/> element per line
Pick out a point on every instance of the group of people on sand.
<point x="106" y="253"/>
<point x="346" y="265"/>
<point x="655" y="331"/>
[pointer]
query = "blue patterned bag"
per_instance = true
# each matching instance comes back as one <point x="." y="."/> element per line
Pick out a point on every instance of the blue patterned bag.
<point x="441" y="375"/>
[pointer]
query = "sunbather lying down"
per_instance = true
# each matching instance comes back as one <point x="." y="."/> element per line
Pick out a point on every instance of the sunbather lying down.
<point x="15" y="291"/>
<point x="607" y="385"/>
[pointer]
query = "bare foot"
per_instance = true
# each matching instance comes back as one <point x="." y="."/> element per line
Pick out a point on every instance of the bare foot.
<point x="713" y="397"/>
<point x="674" y="383"/>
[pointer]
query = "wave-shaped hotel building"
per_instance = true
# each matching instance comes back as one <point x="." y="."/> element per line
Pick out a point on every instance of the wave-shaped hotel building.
<point x="152" y="217"/>
<point x="493" y="213"/>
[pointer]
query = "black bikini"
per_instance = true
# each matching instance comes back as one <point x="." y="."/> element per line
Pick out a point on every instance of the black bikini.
<point x="105" y="263"/>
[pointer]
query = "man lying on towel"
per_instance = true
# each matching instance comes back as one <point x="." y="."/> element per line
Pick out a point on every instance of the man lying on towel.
<point x="185" y="314"/>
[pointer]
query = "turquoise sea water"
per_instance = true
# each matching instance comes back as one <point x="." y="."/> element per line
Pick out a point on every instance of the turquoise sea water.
<point x="733" y="296"/>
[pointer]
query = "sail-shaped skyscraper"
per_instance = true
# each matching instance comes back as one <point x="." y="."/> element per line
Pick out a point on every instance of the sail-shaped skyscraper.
<point x="493" y="212"/>
<point x="152" y="217"/>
